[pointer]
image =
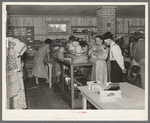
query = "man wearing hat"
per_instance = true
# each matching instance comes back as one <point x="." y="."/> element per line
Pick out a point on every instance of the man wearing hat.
<point x="116" y="58"/>
<point x="139" y="56"/>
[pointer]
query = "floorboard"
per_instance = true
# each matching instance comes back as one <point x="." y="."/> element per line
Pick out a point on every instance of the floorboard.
<point x="41" y="96"/>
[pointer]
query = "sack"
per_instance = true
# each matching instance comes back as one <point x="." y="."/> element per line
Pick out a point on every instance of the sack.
<point x="93" y="58"/>
<point x="81" y="59"/>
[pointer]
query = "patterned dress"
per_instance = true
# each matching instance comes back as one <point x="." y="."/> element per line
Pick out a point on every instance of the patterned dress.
<point x="101" y="66"/>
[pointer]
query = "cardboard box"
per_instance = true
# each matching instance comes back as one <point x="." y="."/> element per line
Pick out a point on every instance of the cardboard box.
<point x="90" y="83"/>
<point x="98" y="88"/>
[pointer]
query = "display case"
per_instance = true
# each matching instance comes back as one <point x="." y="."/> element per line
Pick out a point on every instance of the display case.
<point x="72" y="76"/>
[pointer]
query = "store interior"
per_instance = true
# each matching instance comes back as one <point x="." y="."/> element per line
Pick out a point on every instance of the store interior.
<point x="33" y="24"/>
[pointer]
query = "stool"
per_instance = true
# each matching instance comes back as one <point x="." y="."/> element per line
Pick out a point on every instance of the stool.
<point x="49" y="71"/>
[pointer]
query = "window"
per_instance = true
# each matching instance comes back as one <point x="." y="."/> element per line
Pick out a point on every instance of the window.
<point x="58" y="27"/>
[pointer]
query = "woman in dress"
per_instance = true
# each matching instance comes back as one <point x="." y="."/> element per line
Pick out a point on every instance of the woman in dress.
<point x="42" y="55"/>
<point x="99" y="56"/>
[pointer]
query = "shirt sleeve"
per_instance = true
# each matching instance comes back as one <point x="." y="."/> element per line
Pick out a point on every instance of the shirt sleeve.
<point x="117" y="55"/>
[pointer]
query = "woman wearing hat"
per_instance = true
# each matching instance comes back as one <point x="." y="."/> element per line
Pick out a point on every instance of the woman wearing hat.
<point x="116" y="58"/>
<point x="43" y="54"/>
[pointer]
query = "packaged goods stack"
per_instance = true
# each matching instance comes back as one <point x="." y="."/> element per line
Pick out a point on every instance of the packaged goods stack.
<point x="29" y="61"/>
<point x="105" y="91"/>
<point x="37" y="44"/>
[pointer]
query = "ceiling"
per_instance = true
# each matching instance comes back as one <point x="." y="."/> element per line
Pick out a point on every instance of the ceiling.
<point x="73" y="10"/>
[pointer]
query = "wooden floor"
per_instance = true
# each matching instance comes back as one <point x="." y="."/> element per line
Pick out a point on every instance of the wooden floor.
<point x="42" y="97"/>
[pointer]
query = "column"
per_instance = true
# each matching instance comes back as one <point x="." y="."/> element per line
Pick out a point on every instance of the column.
<point x="106" y="19"/>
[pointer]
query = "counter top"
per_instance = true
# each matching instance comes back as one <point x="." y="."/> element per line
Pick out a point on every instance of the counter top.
<point x="132" y="98"/>
<point x="62" y="61"/>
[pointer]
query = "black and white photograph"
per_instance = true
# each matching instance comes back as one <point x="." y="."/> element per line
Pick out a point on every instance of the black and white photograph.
<point x="75" y="61"/>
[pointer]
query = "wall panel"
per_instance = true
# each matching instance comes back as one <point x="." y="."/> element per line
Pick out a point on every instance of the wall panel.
<point x="39" y="23"/>
<point x="122" y="24"/>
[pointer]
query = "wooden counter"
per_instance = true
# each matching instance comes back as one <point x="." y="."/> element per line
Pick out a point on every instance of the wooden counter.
<point x="132" y="98"/>
<point x="72" y="102"/>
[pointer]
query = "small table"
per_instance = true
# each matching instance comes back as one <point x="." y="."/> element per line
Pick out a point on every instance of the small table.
<point x="132" y="98"/>
<point x="49" y="71"/>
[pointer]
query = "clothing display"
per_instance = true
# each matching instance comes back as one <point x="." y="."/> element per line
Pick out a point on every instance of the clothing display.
<point x="39" y="69"/>
<point x="19" y="101"/>
<point x="12" y="62"/>
<point x="15" y="49"/>
<point x="15" y="72"/>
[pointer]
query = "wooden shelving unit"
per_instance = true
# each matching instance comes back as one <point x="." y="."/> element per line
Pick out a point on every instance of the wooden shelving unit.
<point x="135" y="28"/>
<point x="83" y="31"/>
<point x="24" y="33"/>
<point x="30" y="54"/>
<point x="69" y="92"/>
